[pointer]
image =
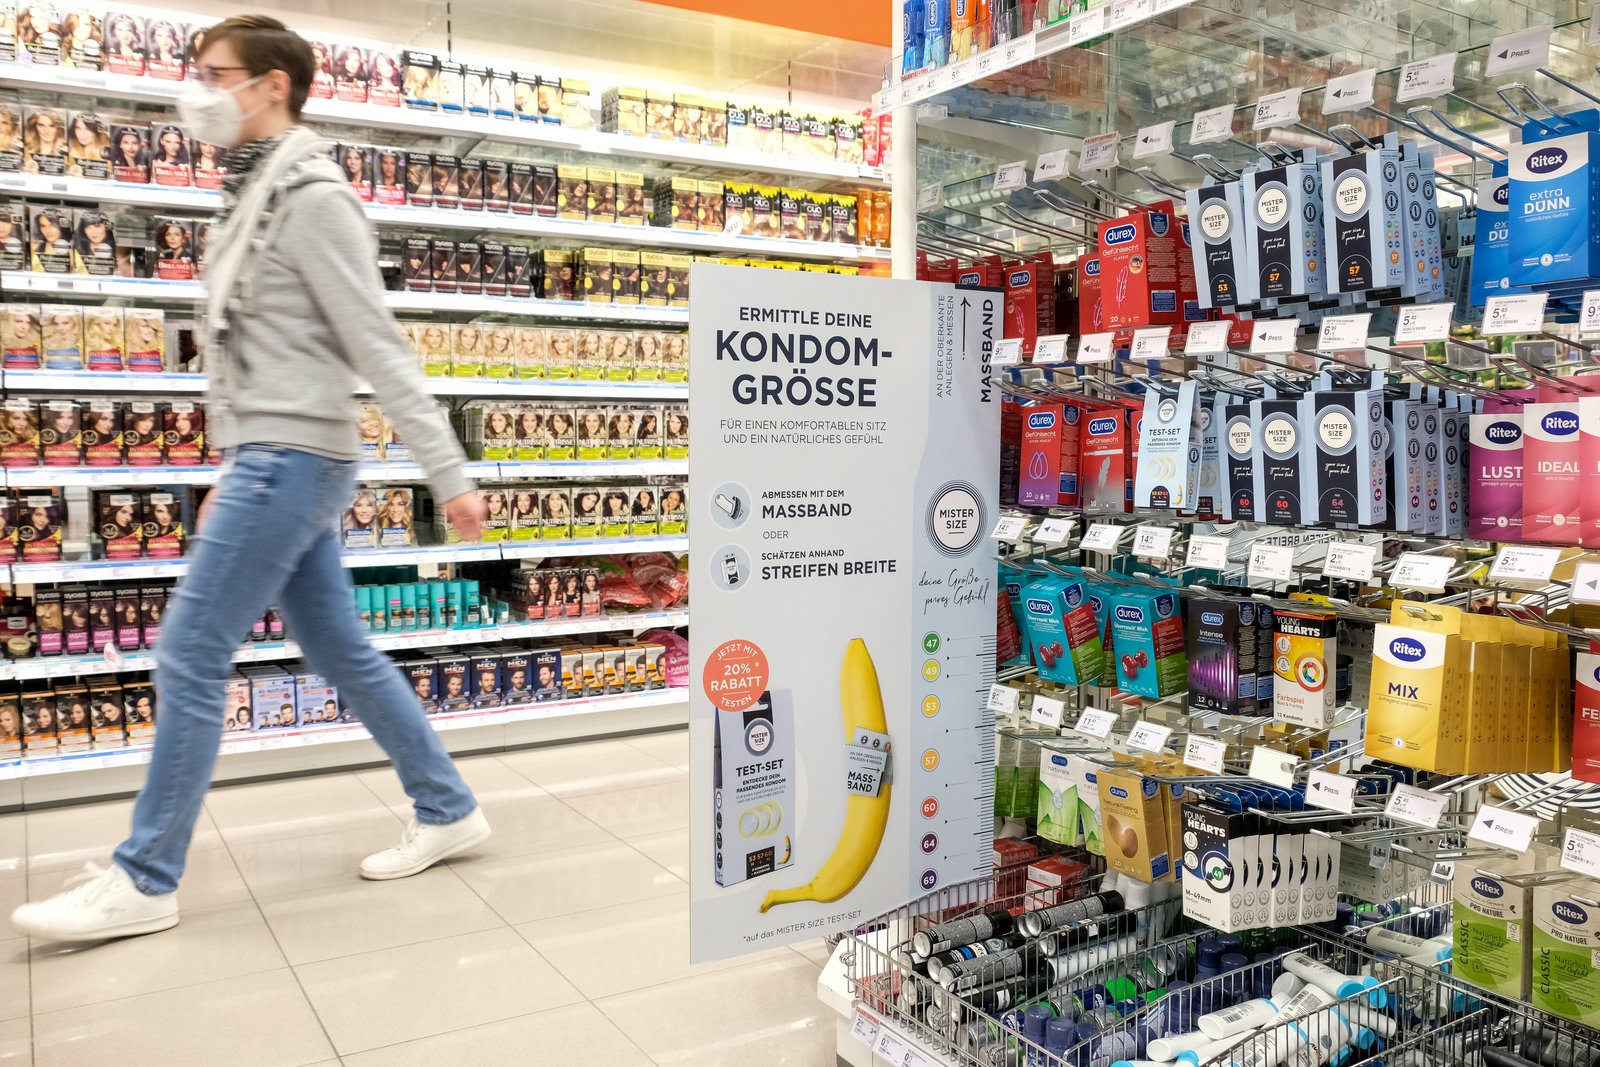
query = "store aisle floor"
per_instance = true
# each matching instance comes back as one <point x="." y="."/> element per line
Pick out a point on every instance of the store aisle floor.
<point x="564" y="941"/>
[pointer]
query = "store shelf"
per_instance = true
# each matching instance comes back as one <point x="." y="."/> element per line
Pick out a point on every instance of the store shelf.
<point x="50" y="381"/>
<point x="155" y="290"/>
<point x="105" y="85"/>
<point x="104" y="477"/>
<point x="166" y="198"/>
<point x="94" y="759"/>
<point x="110" y="570"/>
<point x="265" y="652"/>
<point x="527" y="307"/>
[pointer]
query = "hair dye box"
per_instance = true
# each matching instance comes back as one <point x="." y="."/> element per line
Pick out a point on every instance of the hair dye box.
<point x="272" y="697"/>
<point x="754" y="789"/>
<point x="316" y="701"/>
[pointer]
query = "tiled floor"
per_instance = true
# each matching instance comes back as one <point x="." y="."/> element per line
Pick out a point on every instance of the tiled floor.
<point x="565" y="941"/>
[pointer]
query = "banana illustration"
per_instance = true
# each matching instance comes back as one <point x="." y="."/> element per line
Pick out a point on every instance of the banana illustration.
<point x="862" y="703"/>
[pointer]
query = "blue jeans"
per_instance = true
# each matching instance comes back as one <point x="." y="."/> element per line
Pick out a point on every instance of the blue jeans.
<point x="270" y="538"/>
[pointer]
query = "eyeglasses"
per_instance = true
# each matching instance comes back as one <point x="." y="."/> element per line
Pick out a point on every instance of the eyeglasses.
<point x="209" y="75"/>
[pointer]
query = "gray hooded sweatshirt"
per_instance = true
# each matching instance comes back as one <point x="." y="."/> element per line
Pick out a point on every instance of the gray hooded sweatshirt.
<point x="295" y="318"/>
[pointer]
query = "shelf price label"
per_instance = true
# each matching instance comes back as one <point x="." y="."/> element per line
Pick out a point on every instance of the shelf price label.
<point x="1589" y="320"/>
<point x="1003" y="699"/>
<point x="1343" y="331"/>
<point x="1278" y="109"/>
<point x="1434" y="76"/>
<point x="1424" y="322"/>
<point x="1212" y="125"/>
<point x="864" y="1028"/>
<point x="1148" y="736"/>
<point x="1331" y="792"/>
<point x="1009" y="528"/>
<point x="1100" y="152"/>
<point x="1205" y="753"/>
<point x="1086" y="26"/>
<point x="1274" y="563"/>
<point x="1154" y="542"/>
<point x="1349" y="92"/>
<point x="1154" y="140"/>
<point x="1047" y="711"/>
<point x="1051" y="348"/>
<point x="1273" y="336"/>
<point x="1208" y="552"/>
<point x="1414" y="570"/>
<point x="1009" y="176"/>
<point x="1019" y="50"/>
<point x="1207" y="339"/>
<point x="1128" y="12"/>
<point x="1007" y="352"/>
<point x="1273" y="766"/>
<point x="1522" y="313"/>
<point x="1580" y="852"/>
<point x="1151" y="342"/>
<point x="1095" y="723"/>
<point x="1418" y="807"/>
<point x="930" y="197"/>
<point x="1050" y="165"/>
<point x="1053" y="532"/>
<point x="1505" y="829"/>
<point x="1524" y="563"/>
<point x="1522" y="50"/>
<point x="1350" y="560"/>
<point x="1096" y="347"/>
<point x="1101" y="537"/>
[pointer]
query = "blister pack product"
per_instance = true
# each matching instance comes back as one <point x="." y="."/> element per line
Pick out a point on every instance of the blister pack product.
<point x="754" y="790"/>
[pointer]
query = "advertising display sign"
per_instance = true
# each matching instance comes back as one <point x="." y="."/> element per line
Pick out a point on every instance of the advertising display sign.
<point x="844" y="443"/>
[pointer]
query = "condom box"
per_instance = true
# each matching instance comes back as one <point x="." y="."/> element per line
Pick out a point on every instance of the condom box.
<point x="1139" y="270"/>
<point x="1491" y="937"/>
<point x="1133" y="812"/>
<point x="1452" y="469"/>
<point x="1553" y="188"/>
<point x="1039" y="478"/>
<point x="1147" y="642"/>
<point x="1566" y="938"/>
<point x="1415" y="675"/>
<point x="1221" y="647"/>
<point x="1276" y="429"/>
<point x="1063" y="630"/>
<point x="1168" y="450"/>
<point x="1552" y="482"/>
<point x="1222" y="273"/>
<point x="1103" y="477"/>
<point x="1344" y="482"/>
<point x="1424" y="261"/>
<point x="1303" y="655"/>
<point x="1364" y="220"/>
<point x="1283" y="225"/>
<point x="754" y="790"/>
<point x="1491" y="247"/>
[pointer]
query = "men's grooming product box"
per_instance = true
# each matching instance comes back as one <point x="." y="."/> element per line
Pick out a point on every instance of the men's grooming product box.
<point x="754" y="790"/>
<point x="1364" y="220"/>
<point x="424" y="677"/>
<point x="1283" y="222"/>
<point x="1222" y="271"/>
<point x="272" y="697"/>
<point x="1221" y="638"/>
<point x="455" y="683"/>
<point x="1303" y="657"/>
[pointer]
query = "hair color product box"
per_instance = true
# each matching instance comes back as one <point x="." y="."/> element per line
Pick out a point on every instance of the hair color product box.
<point x="101" y="433"/>
<point x="1277" y="432"/>
<point x="39" y="723"/>
<point x="119" y="524"/>
<point x="237" y="715"/>
<point x="60" y="433"/>
<point x="547" y="677"/>
<point x="516" y="678"/>
<point x="272" y="697"/>
<point x="47" y="613"/>
<point x="39" y="526"/>
<point x="51" y="230"/>
<point x="143" y="437"/>
<point x="754" y="788"/>
<point x="423" y="675"/>
<point x="75" y="620"/>
<point x="23" y="344"/>
<point x="139" y="711"/>
<point x="129" y="629"/>
<point x="107" y="717"/>
<point x="419" y="178"/>
<point x="1222" y="653"/>
<point x="19" y="441"/>
<point x="1364" y="220"/>
<point x="469" y="178"/>
<point x="455" y="683"/>
<point x="152" y="608"/>
<point x="1552" y="481"/>
<point x="316" y="701"/>
<point x="102" y="618"/>
<point x="184" y="424"/>
<point x="1552" y="194"/>
<point x="1342" y="471"/>
<point x="162" y="516"/>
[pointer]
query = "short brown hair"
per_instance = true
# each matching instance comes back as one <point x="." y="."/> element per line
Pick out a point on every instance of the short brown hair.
<point x="265" y="45"/>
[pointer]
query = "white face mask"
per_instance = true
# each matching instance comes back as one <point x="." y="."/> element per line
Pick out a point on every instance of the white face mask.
<point x="214" y="115"/>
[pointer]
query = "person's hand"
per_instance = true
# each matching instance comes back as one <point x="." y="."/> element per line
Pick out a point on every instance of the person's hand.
<point x="465" y="514"/>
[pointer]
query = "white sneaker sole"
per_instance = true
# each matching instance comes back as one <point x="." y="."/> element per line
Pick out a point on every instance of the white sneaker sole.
<point x="106" y="933"/>
<point x="422" y="865"/>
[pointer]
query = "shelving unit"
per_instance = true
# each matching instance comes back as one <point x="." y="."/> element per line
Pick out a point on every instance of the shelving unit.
<point x="99" y="477"/>
<point x="42" y="381"/>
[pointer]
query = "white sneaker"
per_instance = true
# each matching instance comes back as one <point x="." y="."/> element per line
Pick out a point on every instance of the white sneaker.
<point x="423" y="845"/>
<point x="99" y="903"/>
